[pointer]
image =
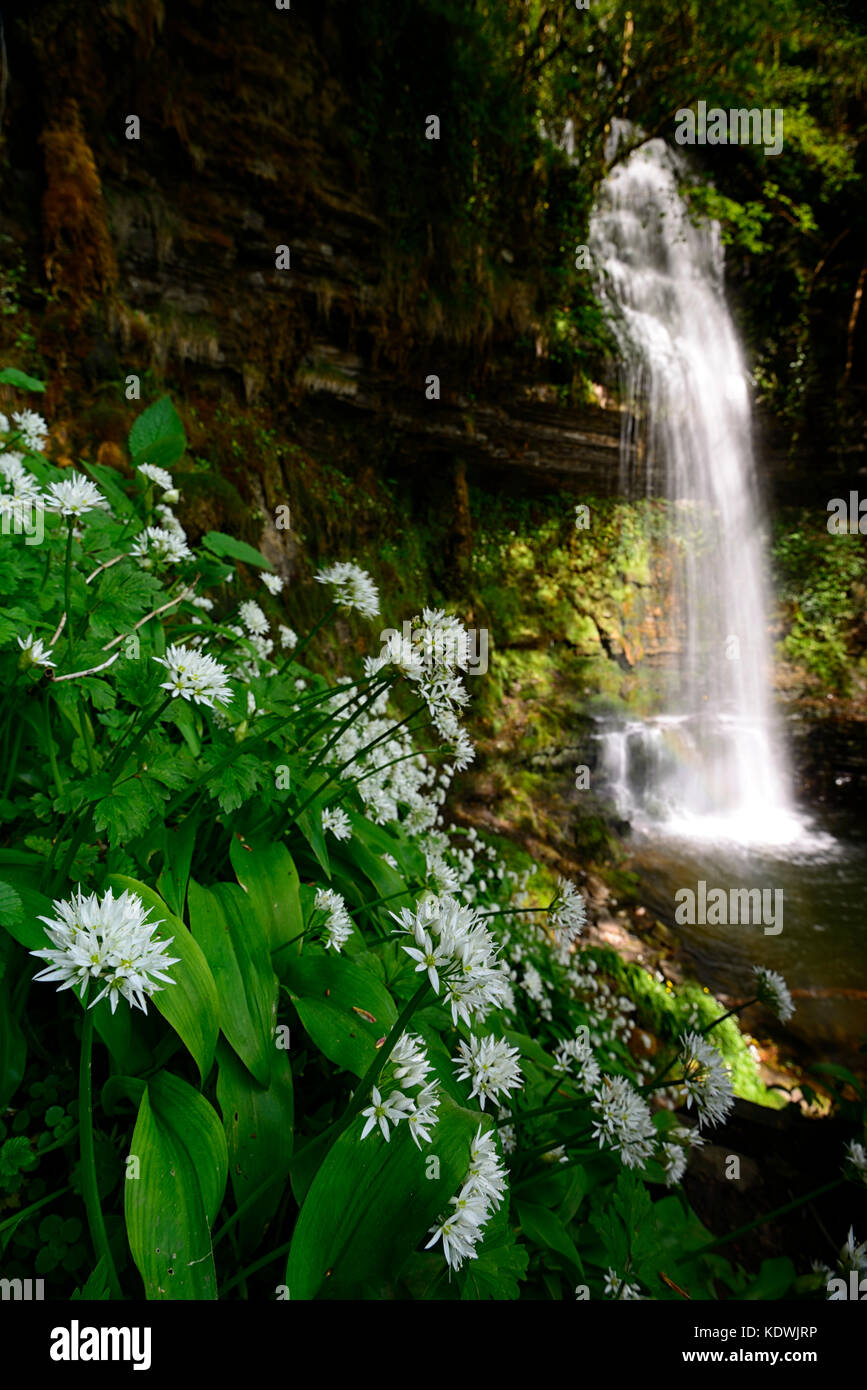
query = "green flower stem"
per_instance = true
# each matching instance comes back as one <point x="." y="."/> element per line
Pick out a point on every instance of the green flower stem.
<point x="370" y="1076"/>
<point x="12" y="758"/>
<point x="762" y="1220"/>
<point x="731" y="1014"/>
<point x="255" y="1267"/>
<point x="294" y="655"/>
<point x="143" y="731"/>
<point x="341" y="729"/>
<point x="518" y="1117"/>
<point x="22" y="1215"/>
<point x="508" y="911"/>
<point x="67" y="572"/>
<point x="88" y="1158"/>
<point x="245" y="1205"/>
<point x="52" y="751"/>
<point x="85" y="735"/>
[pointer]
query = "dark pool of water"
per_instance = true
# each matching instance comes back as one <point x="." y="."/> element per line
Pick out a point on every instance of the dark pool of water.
<point x="822" y="948"/>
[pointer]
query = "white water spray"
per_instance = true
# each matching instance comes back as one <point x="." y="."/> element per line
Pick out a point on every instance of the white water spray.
<point x="713" y="763"/>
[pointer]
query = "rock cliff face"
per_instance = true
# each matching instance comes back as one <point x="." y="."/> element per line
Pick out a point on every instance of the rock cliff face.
<point x="156" y="159"/>
<point x="186" y="199"/>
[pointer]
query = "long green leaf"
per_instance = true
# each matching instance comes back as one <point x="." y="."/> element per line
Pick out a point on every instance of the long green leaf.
<point x="259" y="1131"/>
<point x="236" y="947"/>
<point x="191" y="1004"/>
<point x="172" y="1204"/>
<point x="372" y="1203"/>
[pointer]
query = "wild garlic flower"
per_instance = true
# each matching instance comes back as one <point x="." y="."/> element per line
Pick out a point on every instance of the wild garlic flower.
<point x="253" y="618"/>
<point x="773" y="991"/>
<point x="852" y="1255"/>
<point x="34" y="651"/>
<point x="856" y="1158"/>
<point x="409" y="1062"/>
<point x="481" y="1195"/>
<point x="335" y="819"/>
<point x="423" y="1119"/>
<point x="353" y="588"/>
<point x="705" y="1079"/>
<point x="74" y="496"/>
<point x="450" y="942"/>
<point x="34" y="430"/>
<point x="569" y="914"/>
<point x="491" y="1066"/>
<point x="160" y="476"/>
<point x="381" y="1112"/>
<point x="615" y="1287"/>
<point x="624" y="1121"/>
<point x="273" y="583"/>
<point x="195" y="676"/>
<point x="338" y="923"/>
<point x="674" y="1160"/>
<point x="288" y="638"/>
<point x="156" y="543"/>
<point x="575" y="1057"/>
<point x="108" y="941"/>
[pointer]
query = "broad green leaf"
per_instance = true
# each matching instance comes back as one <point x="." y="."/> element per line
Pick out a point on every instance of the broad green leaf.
<point x="10" y="376"/>
<point x="372" y="1203"/>
<point x="268" y="875"/>
<point x="191" y="1004"/>
<point x="235" y="944"/>
<point x="159" y="421"/>
<point x="546" y="1230"/>
<point x="259" y="1132"/>
<point x="172" y="1204"/>
<point x="178" y="857"/>
<point x="220" y="544"/>
<point x="328" y="991"/>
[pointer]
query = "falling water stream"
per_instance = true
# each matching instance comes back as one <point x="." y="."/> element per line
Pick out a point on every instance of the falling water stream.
<point x="704" y="781"/>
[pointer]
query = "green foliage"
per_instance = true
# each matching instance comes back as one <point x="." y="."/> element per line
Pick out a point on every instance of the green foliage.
<point x="275" y="826"/>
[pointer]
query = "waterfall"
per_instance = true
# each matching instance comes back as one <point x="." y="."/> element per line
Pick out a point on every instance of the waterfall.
<point x="711" y="763"/>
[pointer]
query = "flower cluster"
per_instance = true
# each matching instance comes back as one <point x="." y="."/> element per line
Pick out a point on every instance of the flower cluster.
<point x="450" y="942"/>
<point x="623" y="1121"/>
<point x="195" y="676"/>
<point x="578" y="1054"/>
<point x="110" y="941"/>
<point x="569" y="913"/>
<point x="480" y="1196"/>
<point x="409" y="1067"/>
<point x="491" y="1065"/>
<point x="705" y="1080"/>
<point x="352" y="588"/>
<point x="773" y="991"/>
<point x="338" y="923"/>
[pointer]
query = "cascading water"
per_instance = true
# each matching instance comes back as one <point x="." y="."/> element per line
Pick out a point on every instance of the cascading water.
<point x="712" y="763"/>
